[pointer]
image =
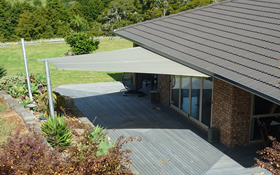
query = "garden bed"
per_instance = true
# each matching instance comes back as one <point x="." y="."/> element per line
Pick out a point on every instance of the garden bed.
<point x="90" y="151"/>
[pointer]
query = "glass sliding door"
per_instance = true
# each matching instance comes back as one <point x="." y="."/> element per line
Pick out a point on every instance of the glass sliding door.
<point x="206" y="101"/>
<point x="185" y="94"/>
<point x="175" y="92"/>
<point x="192" y="96"/>
<point x="195" y="97"/>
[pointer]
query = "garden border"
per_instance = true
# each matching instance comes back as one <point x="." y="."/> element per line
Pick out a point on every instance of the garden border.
<point x="29" y="118"/>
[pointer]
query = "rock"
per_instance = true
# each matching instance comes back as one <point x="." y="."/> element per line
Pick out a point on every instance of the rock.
<point x="80" y="132"/>
<point x="70" y="53"/>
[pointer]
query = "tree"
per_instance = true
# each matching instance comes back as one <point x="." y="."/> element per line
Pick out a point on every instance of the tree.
<point x="96" y="29"/>
<point x="76" y="21"/>
<point x="81" y="43"/>
<point x="120" y="10"/>
<point x="6" y="28"/>
<point x="198" y="3"/>
<point x="25" y="27"/>
<point x="91" y="9"/>
<point x="79" y="23"/>
<point x="37" y="2"/>
<point x="58" y="18"/>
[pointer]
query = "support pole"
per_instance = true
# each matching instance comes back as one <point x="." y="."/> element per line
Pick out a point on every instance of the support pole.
<point x="26" y="69"/>
<point x="49" y="88"/>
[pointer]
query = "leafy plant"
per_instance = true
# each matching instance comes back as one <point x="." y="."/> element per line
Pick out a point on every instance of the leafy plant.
<point x="43" y="101"/>
<point x="34" y="88"/>
<point x="17" y="91"/>
<point x="81" y="43"/>
<point x="9" y="81"/>
<point x="3" y="71"/>
<point x="40" y="79"/>
<point x="98" y="135"/>
<point x="270" y="159"/>
<point x="116" y="161"/>
<point x="96" y="132"/>
<point x="25" y="102"/>
<point x="56" y="131"/>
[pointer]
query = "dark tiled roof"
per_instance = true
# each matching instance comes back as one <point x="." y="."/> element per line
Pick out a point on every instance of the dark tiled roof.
<point x="237" y="41"/>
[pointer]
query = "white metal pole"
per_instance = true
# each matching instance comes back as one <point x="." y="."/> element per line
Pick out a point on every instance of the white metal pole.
<point x="49" y="88"/>
<point x="26" y="69"/>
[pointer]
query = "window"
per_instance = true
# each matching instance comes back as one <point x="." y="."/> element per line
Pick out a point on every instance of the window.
<point x="265" y="119"/>
<point x="185" y="93"/>
<point x="206" y="101"/>
<point x="193" y="96"/>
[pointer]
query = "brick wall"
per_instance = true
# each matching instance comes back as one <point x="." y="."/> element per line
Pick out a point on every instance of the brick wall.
<point x="231" y="113"/>
<point x="163" y="89"/>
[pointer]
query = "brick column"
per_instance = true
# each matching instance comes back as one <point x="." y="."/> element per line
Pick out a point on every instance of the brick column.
<point x="231" y="113"/>
<point x="163" y="89"/>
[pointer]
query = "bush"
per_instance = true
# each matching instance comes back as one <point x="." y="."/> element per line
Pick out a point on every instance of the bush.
<point x="9" y="81"/>
<point x="43" y="102"/>
<point x="270" y="159"/>
<point x="87" y="161"/>
<point x="81" y="43"/>
<point x="28" y="154"/>
<point x="56" y="131"/>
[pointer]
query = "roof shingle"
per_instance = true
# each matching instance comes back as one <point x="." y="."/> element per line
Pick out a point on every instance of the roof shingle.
<point x="237" y="41"/>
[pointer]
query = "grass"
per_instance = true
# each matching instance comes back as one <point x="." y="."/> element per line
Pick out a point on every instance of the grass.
<point x="12" y="59"/>
<point x="4" y="107"/>
<point x="5" y="127"/>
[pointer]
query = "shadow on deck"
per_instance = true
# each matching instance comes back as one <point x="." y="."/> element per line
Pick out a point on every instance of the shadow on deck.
<point x="166" y="134"/>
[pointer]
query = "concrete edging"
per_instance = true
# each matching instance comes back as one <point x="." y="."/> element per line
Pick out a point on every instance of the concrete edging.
<point x="29" y="118"/>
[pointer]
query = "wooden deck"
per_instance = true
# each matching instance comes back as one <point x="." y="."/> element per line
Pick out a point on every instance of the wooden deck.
<point x="167" y="136"/>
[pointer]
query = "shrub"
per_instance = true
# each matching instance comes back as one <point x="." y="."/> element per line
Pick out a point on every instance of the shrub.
<point x="116" y="161"/>
<point x="270" y="159"/>
<point x="9" y="81"/>
<point x="43" y="101"/>
<point x="28" y="154"/>
<point x="56" y="131"/>
<point x="81" y="43"/>
<point x="3" y="71"/>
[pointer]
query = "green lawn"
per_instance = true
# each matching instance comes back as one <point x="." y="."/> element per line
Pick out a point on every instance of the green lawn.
<point x="12" y="59"/>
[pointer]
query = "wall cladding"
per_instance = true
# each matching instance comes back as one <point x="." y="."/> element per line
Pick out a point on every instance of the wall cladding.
<point x="231" y="113"/>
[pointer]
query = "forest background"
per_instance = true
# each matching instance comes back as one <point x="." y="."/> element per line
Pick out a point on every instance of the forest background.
<point x="43" y="19"/>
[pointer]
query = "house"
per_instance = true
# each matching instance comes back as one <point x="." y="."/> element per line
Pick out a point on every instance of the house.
<point x="236" y="45"/>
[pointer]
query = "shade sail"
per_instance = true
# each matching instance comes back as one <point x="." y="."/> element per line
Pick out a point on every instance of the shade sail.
<point x="136" y="60"/>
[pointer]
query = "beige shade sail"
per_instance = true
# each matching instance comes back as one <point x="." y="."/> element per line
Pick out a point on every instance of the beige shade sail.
<point x="134" y="60"/>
